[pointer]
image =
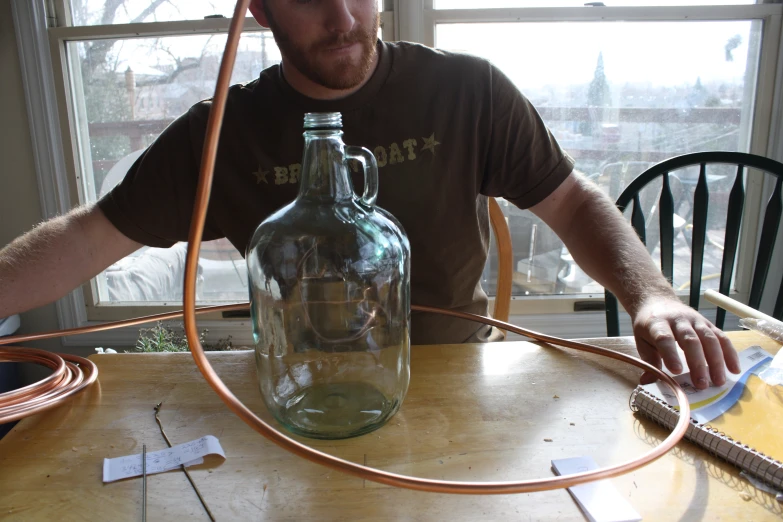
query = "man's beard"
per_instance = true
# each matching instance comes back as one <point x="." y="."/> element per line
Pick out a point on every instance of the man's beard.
<point x="340" y="74"/>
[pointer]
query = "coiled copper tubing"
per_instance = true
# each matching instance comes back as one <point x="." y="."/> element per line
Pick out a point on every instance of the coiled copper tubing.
<point x="71" y="373"/>
<point x="43" y="395"/>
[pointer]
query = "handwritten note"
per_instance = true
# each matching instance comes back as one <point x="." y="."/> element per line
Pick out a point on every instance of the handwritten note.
<point x="187" y="454"/>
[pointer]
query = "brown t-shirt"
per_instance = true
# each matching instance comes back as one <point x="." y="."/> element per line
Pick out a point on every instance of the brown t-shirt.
<point x="446" y="129"/>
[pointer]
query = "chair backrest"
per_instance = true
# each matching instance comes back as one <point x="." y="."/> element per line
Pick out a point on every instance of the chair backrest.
<point x="736" y="199"/>
<point x="505" y="261"/>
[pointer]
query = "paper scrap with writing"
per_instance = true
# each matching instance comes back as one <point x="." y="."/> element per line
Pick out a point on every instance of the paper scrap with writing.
<point x="187" y="454"/>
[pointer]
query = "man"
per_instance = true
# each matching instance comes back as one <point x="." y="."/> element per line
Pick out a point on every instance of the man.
<point x="447" y="130"/>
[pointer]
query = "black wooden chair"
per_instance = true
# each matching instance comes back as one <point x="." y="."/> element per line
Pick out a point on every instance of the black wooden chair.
<point x="666" y="209"/>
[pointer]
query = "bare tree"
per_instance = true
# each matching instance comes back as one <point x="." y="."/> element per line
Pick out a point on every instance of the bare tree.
<point x="96" y="51"/>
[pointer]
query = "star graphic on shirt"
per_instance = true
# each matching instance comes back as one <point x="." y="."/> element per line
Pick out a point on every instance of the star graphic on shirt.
<point x="430" y="143"/>
<point x="260" y="176"/>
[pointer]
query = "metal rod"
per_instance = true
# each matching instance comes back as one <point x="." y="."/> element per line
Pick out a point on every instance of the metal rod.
<point x="187" y="474"/>
<point x="143" y="483"/>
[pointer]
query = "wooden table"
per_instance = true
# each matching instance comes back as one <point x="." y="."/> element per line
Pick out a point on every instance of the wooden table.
<point x="473" y="412"/>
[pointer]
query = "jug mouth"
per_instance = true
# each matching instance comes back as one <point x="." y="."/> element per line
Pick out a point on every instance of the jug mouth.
<point x="323" y="121"/>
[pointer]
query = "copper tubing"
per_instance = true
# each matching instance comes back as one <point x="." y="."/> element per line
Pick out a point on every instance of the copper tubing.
<point x="118" y="324"/>
<point x="364" y="472"/>
<point x="71" y="374"/>
<point x="67" y="379"/>
<point x="53" y="390"/>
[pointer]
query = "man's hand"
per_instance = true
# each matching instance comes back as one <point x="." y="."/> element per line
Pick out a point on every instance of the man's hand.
<point x="662" y="323"/>
<point x="607" y="248"/>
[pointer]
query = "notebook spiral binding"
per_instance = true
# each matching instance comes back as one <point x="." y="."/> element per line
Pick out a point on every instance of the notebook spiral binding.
<point x="717" y="443"/>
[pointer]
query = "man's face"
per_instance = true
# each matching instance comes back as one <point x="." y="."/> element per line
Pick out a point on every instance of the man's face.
<point x="331" y="42"/>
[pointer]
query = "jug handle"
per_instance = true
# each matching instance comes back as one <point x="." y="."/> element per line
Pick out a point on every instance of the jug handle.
<point x="370" y="167"/>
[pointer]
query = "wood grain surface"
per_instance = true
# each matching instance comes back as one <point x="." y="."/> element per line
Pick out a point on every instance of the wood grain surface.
<point x="473" y="412"/>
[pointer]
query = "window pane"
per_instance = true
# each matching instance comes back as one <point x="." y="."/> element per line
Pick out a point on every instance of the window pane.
<point x="126" y="93"/>
<point x="490" y="4"/>
<point x="620" y="101"/>
<point x="107" y="12"/>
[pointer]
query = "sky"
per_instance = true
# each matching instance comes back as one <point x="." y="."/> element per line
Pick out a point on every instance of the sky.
<point x="665" y="53"/>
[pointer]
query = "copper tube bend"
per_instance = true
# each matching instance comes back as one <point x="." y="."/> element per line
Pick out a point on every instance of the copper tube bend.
<point x="282" y="440"/>
<point x="72" y="374"/>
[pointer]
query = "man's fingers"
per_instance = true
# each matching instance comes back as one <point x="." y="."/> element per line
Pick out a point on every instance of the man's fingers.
<point x="647" y="378"/>
<point x="690" y="343"/>
<point x="650" y="355"/>
<point x="713" y="352"/>
<point x="666" y="323"/>
<point x="663" y="342"/>
<point x="729" y="352"/>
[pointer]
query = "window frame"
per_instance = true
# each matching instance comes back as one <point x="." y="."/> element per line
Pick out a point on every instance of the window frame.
<point x="42" y="47"/>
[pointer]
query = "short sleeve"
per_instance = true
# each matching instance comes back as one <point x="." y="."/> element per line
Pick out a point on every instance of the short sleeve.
<point x="524" y="161"/>
<point x="153" y="204"/>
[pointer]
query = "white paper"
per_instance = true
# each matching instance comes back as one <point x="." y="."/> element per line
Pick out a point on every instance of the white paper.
<point x="599" y="501"/>
<point x="187" y="454"/>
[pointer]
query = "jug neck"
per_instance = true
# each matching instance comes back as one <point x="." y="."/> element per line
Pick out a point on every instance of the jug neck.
<point x="324" y="172"/>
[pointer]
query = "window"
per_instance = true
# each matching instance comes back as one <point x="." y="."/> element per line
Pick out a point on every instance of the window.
<point x="621" y="89"/>
<point x="621" y="86"/>
<point x="125" y="98"/>
<point x="113" y="12"/>
<point x="496" y="4"/>
<point x="619" y="99"/>
<point x="124" y="90"/>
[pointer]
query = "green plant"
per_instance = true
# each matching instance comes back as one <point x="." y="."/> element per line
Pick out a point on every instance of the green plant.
<point x="222" y="345"/>
<point x="167" y="338"/>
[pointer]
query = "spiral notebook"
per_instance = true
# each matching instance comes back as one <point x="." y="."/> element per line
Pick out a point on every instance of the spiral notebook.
<point x="740" y="422"/>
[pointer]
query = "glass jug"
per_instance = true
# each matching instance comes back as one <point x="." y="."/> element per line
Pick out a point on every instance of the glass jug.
<point x="330" y="297"/>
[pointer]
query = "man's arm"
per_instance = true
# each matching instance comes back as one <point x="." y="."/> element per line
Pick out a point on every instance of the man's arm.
<point x="57" y="256"/>
<point x="608" y="249"/>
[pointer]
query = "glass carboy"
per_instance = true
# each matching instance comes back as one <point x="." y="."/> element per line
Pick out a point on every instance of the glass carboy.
<point x="330" y="296"/>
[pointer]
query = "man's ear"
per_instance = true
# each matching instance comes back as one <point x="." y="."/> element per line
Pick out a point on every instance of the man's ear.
<point x="256" y="8"/>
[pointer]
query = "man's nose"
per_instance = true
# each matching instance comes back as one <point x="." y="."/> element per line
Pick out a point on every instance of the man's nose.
<point x="340" y="18"/>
